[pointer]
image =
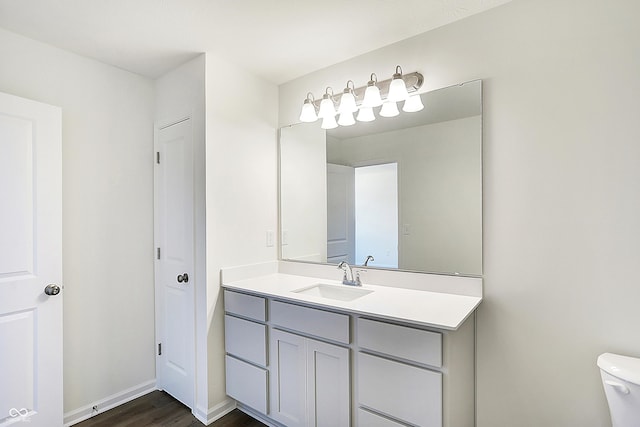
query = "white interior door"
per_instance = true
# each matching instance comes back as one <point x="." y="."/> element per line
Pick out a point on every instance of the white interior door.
<point x="377" y="214"/>
<point x="174" y="268"/>
<point x="340" y="214"/>
<point x="30" y="260"/>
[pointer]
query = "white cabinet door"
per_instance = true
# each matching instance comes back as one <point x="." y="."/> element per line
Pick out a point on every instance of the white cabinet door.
<point x="328" y="394"/>
<point x="309" y="382"/>
<point x="287" y="382"/>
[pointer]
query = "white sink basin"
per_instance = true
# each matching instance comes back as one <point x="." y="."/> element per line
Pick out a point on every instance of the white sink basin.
<point x="336" y="292"/>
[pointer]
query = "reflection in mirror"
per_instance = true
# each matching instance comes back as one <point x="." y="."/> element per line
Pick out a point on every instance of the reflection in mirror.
<point x="402" y="192"/>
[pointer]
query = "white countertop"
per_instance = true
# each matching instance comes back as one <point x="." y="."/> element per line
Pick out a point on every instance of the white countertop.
<point x="435" y="309"/>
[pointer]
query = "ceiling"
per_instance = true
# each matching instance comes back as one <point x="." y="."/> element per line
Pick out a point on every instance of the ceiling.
<point x="278" y="40"/>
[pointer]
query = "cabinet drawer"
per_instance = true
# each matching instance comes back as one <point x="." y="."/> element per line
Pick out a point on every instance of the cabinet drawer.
<point x="246" y="340"/>
<point x="403" y="391"/>
<point x="245" y="305"/>
<point x="369" y="419"/>
<point x="246" y="383"/>
<point x="319" y="323"/>
<point x="401" y="341"/>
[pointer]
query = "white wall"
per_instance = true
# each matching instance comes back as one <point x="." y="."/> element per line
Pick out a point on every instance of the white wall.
<point x="303" y="176"/>
<point x="561" y="203"/>
<point x="241" y="179"/>
<point x="107" y="142"/>
<point x="181" y="93"/>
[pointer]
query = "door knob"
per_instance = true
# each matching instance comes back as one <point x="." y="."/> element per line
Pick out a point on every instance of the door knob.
<point x="183" y="278"/>
<point x="52" y="290"/>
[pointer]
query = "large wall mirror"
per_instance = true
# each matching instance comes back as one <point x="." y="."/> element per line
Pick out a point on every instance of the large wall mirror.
<point x="396" y="193"/>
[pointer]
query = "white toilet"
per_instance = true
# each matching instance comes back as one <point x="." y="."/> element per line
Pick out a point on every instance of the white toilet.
<point x="621" y="381"/>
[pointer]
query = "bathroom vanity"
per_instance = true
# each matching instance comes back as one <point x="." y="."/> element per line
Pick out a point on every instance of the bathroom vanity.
<point x="305" y="350"/>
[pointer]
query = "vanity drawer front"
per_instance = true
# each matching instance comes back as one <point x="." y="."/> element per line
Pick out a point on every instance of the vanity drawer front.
<point x="402" y="391"/>
<point x="246" y="383"/>
<point x="246" y="340"/>
<point x="319" y="323"/>
<point x="401" y="341"/>
<point x="369" y="419"/>
<point x="245" y="305"/>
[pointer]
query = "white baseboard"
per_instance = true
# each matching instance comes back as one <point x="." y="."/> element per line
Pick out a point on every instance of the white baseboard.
<point x="86" y="412"/>
<point x="215" y="413"/>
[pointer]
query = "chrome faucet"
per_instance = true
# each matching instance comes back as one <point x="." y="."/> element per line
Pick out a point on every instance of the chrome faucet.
<point x="353" y="281"/>
<point x="369" y="258"/>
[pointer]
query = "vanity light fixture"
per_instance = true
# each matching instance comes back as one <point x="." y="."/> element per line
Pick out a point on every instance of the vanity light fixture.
<point x="308" y="113"/>
<point x="372" y="96"/>
<point x="400" y="88"/>
<point x="327" y="105"/>
<point x="397" y="88"/>
<point x="365" y="114"/>
<point x="389" y="109"/>
<point x="329" y="122"/>
<point x="347" y="106"/>
<point x="413" y="104"/>
<point x="346" y="119"/>
<point x="348" y="100"/>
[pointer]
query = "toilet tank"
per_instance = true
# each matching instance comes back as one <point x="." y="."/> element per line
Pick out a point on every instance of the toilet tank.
<point x="621" y="381"/>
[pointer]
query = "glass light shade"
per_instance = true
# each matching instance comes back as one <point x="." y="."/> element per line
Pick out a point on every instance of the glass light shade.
<point x="389" y="109"/>
<point x="365" y="115"/>
<point x="329" y="122"/>
<point x="308" y="113"/>
<point x="347" y="103"/>
<point x="372" y="97"/>
<point x="413" y="104"/>
<point x="397" y="90"/>
<point x="326" y="108"/>
<point x="346" y="119"/>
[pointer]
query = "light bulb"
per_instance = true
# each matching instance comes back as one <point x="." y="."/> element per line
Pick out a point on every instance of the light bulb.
<point x="397" y="88"/>
<point x="413" y="104"/>
<point x="346" y="119"/>
<point x="348" y="99"/>
<point x="329" y="122"/>
<point x="389" y="109"/>
<point x="365" y="114"/>
<point x="308" y="113"/>
<point x="372" y="96"/>
<point x="327" y="107"/>
<point x="347" y="103"/>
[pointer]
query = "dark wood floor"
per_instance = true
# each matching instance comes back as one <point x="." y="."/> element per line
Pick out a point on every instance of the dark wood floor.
<point x="159" y="409"/>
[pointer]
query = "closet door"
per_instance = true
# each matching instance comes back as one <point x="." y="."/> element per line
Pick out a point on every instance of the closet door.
<point x="174" y="236"/>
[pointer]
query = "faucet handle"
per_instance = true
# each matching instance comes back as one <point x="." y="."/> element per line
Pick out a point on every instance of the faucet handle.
<point x="342" y="266"/>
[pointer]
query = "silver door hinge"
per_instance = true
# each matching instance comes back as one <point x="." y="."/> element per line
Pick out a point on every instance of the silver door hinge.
<point x="159" y="349"/>
<point x="158" y="253"/>
<point x="157" y="157"/>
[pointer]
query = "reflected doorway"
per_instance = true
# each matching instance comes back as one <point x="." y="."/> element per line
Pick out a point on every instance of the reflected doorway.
<point x="362" y="214"/>
<point x="376" y="210"/>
